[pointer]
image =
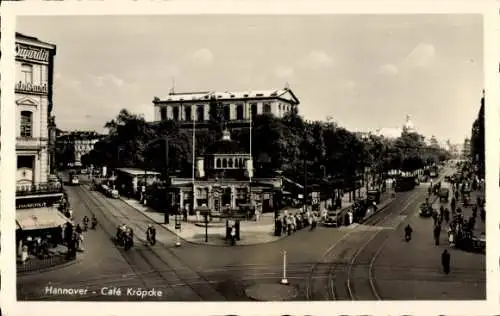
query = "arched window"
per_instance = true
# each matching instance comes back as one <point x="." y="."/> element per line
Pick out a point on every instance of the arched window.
<point x="227" y="113"/>
<point x="176" y="113"/>
<point x="224" y="163"/>
<point x="267" y="108"/>
<point x="218" y="163"/>
<point x="187" y="113"/>
<point x="230" y="162"/>
<point x="200" y="113"/>
<point x="27" y="73"/>
<point x="242" y="163"/>
<point x="26" y="124"/>
<point x="254" y="110"/>
<point x="163" y="114"/>
<point x="239" y="112"/>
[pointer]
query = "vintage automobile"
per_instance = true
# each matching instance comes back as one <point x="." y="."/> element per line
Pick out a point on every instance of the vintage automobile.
<point x="444" y="194"/>
<point x="333" y="218"/>
<point x="75" y="180"/>
<point x="426" y="210"/>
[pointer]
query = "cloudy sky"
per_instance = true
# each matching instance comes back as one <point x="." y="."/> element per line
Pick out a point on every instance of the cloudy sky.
<point x="365" y="71"/>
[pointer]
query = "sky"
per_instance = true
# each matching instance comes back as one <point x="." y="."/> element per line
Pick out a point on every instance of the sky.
<point x="365" y="71"/>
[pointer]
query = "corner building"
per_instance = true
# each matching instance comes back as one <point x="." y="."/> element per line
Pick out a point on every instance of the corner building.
<point x="33" y="94"/>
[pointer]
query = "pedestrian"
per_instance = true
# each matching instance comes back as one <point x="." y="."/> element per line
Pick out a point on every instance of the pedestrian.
<point x="445" y="261"/>
<point x="437" y="234"/>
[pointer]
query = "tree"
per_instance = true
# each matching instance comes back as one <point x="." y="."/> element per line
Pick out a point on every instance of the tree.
<point x="477" y="140"/>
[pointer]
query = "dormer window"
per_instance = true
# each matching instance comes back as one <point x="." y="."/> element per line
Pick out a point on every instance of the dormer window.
<point x="245" y="95"/>
<point x="260" y="94"/>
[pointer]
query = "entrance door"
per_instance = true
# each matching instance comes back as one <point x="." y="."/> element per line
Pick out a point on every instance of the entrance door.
<point x="217" y="204"/>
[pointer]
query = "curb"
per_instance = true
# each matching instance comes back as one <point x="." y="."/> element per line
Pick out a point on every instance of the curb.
<point x="201" y="243"/>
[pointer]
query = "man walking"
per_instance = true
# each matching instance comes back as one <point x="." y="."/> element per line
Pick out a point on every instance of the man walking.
<point x="445" y="261"/>
<point x="437" y="233"/>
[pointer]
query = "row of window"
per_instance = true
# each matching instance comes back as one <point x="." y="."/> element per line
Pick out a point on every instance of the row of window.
<point x="237" y="163"/>
<point x="200" y="112"/>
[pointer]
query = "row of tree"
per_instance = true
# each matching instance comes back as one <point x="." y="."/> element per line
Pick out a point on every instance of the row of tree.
<point x="290" y="144"/>
<point x="477" y="141"/>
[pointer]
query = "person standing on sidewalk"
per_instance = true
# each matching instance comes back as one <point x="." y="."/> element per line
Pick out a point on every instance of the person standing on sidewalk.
<point x="437" y="234"/>
<point x="445" y="261"/>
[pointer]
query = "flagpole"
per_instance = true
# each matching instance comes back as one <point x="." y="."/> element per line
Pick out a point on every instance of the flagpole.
<point x="194" y="145"/>
<point x="250" y="172"/>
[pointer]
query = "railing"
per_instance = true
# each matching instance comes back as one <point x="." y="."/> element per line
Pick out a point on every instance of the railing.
<point x="31" y="142"/>
<point x="41" y="188"/>
<point x="37" y="264"/>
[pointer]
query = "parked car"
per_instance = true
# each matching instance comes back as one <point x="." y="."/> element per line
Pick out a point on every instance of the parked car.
<point x="75" y="180"/>
<point x="333" y="218"/>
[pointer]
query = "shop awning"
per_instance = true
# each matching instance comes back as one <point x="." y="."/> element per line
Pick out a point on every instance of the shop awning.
<point x="40" y="218"/>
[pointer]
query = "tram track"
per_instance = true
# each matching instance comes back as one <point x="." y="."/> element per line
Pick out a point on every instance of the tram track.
<point x="339" y="285"/>
<point x="156" y="255"/>
<point x="145" y="272"/>
<point x="147" y="264"/>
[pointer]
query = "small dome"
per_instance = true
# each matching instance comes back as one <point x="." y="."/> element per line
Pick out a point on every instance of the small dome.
<point x="225" y="146"/>
<point x="408" y="126"/>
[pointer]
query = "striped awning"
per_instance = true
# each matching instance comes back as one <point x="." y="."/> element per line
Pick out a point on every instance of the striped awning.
<point x="40" y="218"/>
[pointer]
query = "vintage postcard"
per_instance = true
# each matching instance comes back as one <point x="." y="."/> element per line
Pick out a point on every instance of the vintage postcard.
<point x="287" y="155"/>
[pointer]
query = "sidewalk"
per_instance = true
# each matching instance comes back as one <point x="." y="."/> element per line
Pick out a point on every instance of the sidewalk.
<point x="251" y="232"/>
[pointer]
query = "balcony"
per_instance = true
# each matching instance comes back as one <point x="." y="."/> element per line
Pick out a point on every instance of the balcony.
<point x="41" y="189"/>
<point x="31" y="143"/>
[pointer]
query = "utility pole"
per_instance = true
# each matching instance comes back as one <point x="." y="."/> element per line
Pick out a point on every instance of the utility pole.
<point x="167" y="183"/>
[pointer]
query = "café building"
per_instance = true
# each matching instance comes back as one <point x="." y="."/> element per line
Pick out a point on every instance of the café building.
<point x="37" y="190"/>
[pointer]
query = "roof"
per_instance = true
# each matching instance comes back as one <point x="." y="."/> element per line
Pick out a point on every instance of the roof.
<point x="228" y="95"/>
<point x="40" y="218"/>
<point x="21" y="36"/>
<point x="137" y="172"/>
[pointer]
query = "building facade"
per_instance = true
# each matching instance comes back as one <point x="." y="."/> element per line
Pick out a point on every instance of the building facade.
<point x="237" y="107"/>
<point x="225" y="182"/>
<point x="33" y="93"/>
<point x="74" y="145"/>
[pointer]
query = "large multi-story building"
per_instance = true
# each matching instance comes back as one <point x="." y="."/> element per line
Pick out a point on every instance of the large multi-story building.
<point x="237" y="107"/>
<point x="33" y="91"/>
<point x="37" y="188"/>
<point x="74" y="145"/>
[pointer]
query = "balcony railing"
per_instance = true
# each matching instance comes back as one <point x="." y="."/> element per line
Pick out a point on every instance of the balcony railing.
<point x="41" y="188"/>
<point x="31" y="142"/>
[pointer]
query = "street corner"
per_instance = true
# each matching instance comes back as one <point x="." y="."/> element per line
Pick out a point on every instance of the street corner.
<point x="271" y="292"/>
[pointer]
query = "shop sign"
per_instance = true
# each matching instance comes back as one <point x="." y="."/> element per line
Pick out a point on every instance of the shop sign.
<point x="31" y="205"/>
<point x="31" y="88"/>
<point x="32" y="54"/>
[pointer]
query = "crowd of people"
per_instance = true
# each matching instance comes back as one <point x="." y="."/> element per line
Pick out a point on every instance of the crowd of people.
<point x="288" y="223"/>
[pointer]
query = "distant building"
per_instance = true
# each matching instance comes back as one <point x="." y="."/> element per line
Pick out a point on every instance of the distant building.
<point x="73" y="145"/>
<point x="391" y="133"/>
<point x="237" y="107"/>
<point x="466" y="149"/>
